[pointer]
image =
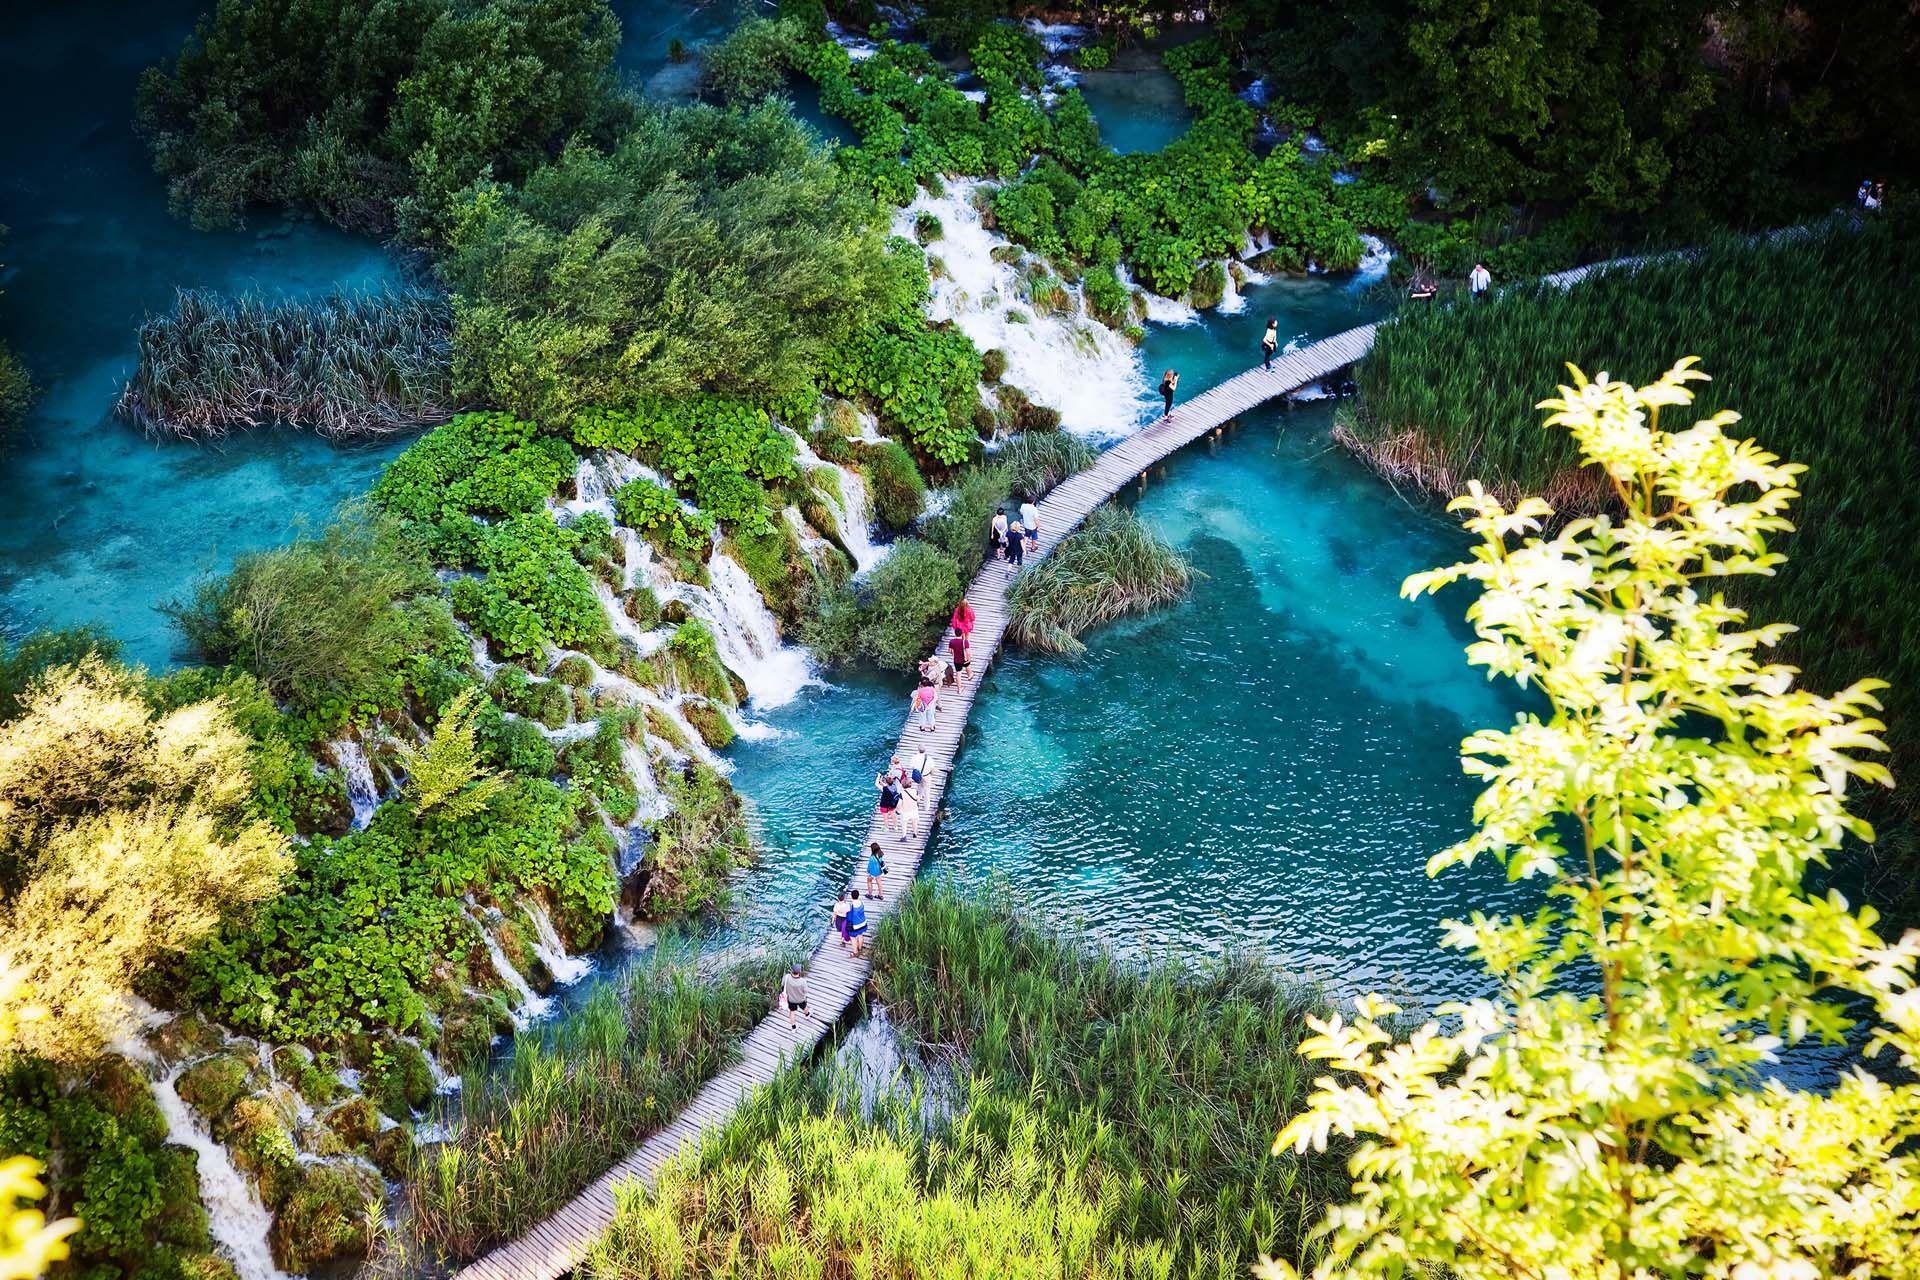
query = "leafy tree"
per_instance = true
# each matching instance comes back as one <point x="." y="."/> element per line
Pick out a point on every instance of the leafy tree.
<point x="1606" y="1113"/>
<point x="447" y="773"/>
<point x="125" y="839"/>
<point x="706" y="250"/>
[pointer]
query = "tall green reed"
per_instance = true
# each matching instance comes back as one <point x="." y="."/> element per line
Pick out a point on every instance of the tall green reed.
<point x="1111" y="567"/>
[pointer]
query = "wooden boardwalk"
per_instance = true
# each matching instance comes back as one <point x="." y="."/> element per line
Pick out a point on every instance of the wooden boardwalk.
<point x="834" y="977"/>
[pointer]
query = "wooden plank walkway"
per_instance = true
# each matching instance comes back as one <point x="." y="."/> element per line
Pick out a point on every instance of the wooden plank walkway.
<point x="834" y="977"/>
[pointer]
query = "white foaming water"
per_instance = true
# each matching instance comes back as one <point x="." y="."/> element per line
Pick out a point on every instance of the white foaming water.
<point x="846" y="497"/>
<point x="1232" y="301"/>
<point x="1373" y="262"/>
<point x="882" y="1073"/>
<point x="1163" y="310"/>
<point x="745" y="632"/>
<point x="1071" y="363"/>
<point x="566" y="969"/>
<point x="356" y="771"/>
<point x="236" y="1217"/>
<point x="528" y="1004"/>
<point x="639" y="766"/>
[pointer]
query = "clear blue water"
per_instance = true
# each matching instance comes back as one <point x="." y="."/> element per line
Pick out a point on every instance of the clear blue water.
<point x="1138" y="106"/>
<point x="97" y="524"/>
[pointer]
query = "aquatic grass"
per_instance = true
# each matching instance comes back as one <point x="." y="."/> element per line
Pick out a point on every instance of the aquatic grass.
<point x="574" y="1098"/>
<point x="1172" y="1076"/>
<point x="1111" y="567"/>
<point x="1813" y="335"/>
<point x="345" y="365"/>
<point x="1036" y="461"/>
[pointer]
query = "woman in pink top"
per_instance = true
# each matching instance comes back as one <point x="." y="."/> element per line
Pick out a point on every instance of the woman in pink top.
<point x="963" y="618"/>
<point x="926" y="701"/>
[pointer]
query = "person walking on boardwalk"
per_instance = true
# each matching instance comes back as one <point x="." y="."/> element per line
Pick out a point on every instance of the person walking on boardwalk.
<point x="997" y="535"/>
<point x="793" y="994"/>
<point x="889" y="788"/>
<point x="857" y="922"/>
<point x="919" y="768"/>
<point x="909" y="817"/>
<point x="962" y="619"/>
<point x="926" y="702"/>
<point x="1169" y="383"/>
<point x="1030" y="521"/>
<point x="1479" y="280"/>
<point x="876" y="868"/>
<point x="1269" y="344"/>
<point x="1016" y="545"/>
<point x="961" y="654"/>
<point x="840" y="916"/>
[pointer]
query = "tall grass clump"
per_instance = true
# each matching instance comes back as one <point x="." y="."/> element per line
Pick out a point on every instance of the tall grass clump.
<point x="346" y="365"/>
<point x="1814" y="335"/>
<point x="1170" y="1077"/>
<point x="1111" y="567"/>
<point x="1036" y="461"/>
<point x="573" y="1099"/>
<point x="822" y="1193"/>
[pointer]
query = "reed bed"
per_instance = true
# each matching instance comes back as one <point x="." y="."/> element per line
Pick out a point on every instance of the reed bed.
<point x="1169" y="1078"/>
<point x="571" y="1100"/>
<point x="345" y="365"/>
<point x="1814" y="338"/>
<point x="1036" y="461"/>
<point x="1111" y="567"/>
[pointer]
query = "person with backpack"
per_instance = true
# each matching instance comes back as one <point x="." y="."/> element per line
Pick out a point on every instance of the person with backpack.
<point x="1479" y="280"/>
<point x="876" y="868"/>
<point x="926" y="703"/>
<point x="857" y="922"/>
<point x="1169" y="383"/>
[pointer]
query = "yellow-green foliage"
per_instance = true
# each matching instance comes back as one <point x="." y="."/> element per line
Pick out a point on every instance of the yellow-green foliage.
<point x="123" y="839"/>
<point x="29" y="1244"/>
<point x="447" y="773"/>
<point x="1603" y="1114"/>
<point x="1005" y="1194"/>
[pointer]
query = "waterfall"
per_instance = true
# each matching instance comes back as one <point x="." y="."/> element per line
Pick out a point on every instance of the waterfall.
<point x="1232" y="301"/>
<point x="1071" y="363"/>
<point x="529" y="1004"/>
<point x="1373" y="262"/>
<point x="1161" y="310"/>
<point x="566" y="969"/>
<point x="745" y="632"/>
<point x="239" y="1221"/>
<point x="356" y="771"/>
<point x="846" y="497"/>
<point x="639" y="766"/>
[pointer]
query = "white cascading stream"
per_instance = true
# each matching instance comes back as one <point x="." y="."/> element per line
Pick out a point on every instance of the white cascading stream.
<point x="566" y="969"/>
<point x="1071" y="362"/>
<point x="529" y="1004"/>
<point x="846" y="497"/>
<point x="356" y="772"/>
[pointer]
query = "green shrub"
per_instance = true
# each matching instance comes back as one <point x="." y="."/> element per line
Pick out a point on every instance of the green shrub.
<point x="993" y="364"/>
<point x="16" y="393"/>
<point x="325" y="1218"/>
<point x="926" y="227"/>
<point x="777" y="565"/>
<point x="479" y="464"/>
<point x="753" y="60"/>
<point x="1209" y="286"/>
<point x="595" y="765"/>
<point x="574" y="670"/>
<point x="695" y="661"/>
<point x="899" y="494"/>
<point x="697" y="847"/>
<point x="660" y="518"/>
<point x="533" y="592"/>
<point x="961" y="529"/>
<point x="710" y="722"/>
<point x="905" y="600"/>
<point x="1108" y="300"/>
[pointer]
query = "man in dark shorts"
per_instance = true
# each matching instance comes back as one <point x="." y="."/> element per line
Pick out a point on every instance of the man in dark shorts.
<point x="793" y="988"/>
<point x="960" y="652"/>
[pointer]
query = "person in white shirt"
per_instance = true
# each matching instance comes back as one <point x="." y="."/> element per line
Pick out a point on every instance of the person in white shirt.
<point x="1030" y="521"/>
<point x="1479" y="279"/>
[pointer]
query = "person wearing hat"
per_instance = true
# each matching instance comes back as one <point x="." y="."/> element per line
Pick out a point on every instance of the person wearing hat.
<point x="793" y="994"/>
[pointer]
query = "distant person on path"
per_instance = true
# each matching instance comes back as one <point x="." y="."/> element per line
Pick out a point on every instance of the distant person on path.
<point x="1016" y="544"/>
<point x="926" y="702"/>
<point x="918" y="770"/>
<point x="1865" y="192"/>
<point x="1030" y="521"/>
<point x="840" y="910"/>
<point x="1877" y="196"/>
<point x="935" y="669"/>
<point x="997" y="539"/>
<point x="1478" y="280"/>
<point x="909" y="816"/>
<point x="876" y="867"/>
<point x="793" y="994"/>
<point x="1169" y="383"/>
<point x="962" y="654"/>
<point x="1270" y="344"/>
<point x="889" y="800"/>
<point x="962" y="619"/>
<point x="1422" y="288"/>
<point x="857" y="922"/>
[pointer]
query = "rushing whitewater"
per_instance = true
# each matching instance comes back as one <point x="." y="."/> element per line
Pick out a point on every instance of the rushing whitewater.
<point x="356" y="772"/>
<point x="1071" y="363"/>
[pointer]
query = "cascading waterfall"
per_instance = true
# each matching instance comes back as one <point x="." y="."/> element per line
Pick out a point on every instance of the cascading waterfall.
<point x="1071" y="363"/>
<point x="846" y="497"/>
<point x="745" y="632"/>
<point x="566" y="969"/>
<point x="529" y="1004"/>
<point x="1373" y="262"/>
<point x="238" y="1220"/>
<point x="356" y="771"/>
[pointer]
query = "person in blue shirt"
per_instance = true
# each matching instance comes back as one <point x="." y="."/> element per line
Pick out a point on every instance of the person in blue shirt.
<point x="857" y="923"/>
<point x="876" y="867"/>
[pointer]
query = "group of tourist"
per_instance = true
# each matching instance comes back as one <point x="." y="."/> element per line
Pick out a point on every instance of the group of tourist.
<point x="903" y="785"/>
<point x="1871" y="194"/>
<point x="1011" y="539"/>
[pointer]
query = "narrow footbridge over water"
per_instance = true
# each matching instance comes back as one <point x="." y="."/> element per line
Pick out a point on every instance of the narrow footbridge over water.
<point x="834" y="977"/>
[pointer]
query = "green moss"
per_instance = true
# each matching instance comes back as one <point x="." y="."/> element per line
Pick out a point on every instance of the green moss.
<point x="643" y="607"/>
<point x="993" y="364"/>
<point x="354" y="1122"/>
<point x="258" y="1139"/>
<point x="661" y="725"/>
<point x="899" y="492"/>
<point x="393" y="1150"/>
<point x="465" y="1036"/>
<point x="121" y="1088"/>
<point x="187" y="1036"/>
<point x="1209" y="286"/>
<point x="710" y="722"/>
<point x="324" y="1218"/>
<point x="212" y="1087"/>
<point x="182" y="1220"/>
<point x="574" y="670"/>
<point x="400" y="1081"/>
<point x="775" y="562"/>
